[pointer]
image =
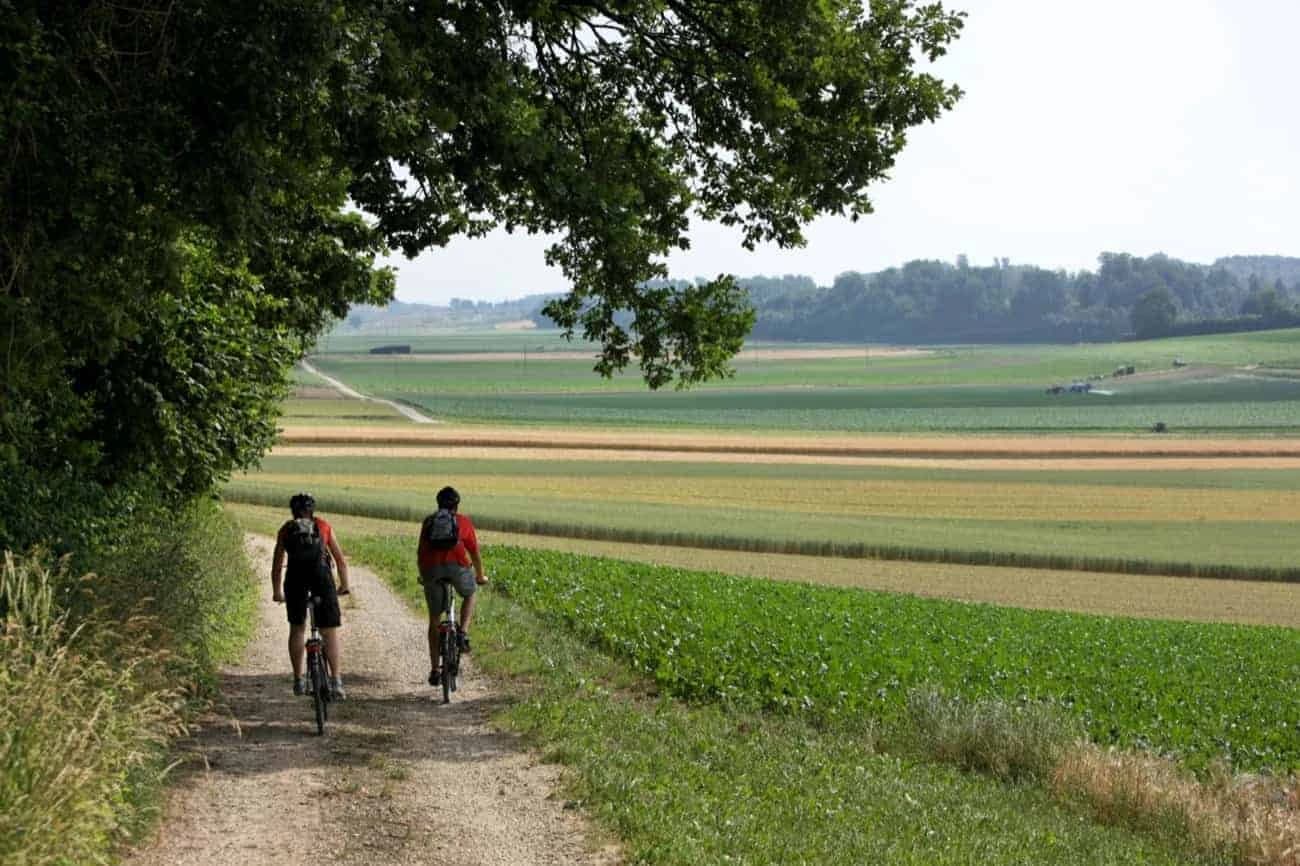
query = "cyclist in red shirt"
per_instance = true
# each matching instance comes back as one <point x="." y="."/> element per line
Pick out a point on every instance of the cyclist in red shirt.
<point x="461" y="564"/>
<point x="307" y="542"/>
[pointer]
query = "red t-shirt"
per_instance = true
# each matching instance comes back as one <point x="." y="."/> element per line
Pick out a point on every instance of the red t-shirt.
<point x="466" y="543"/>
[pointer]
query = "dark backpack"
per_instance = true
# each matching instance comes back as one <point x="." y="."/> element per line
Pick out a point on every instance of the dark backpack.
<point x="441" y="530"/>
<point x="302" y="542"/>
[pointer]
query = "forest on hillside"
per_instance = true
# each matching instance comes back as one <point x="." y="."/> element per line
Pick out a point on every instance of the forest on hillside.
<point x="934" y="301"/>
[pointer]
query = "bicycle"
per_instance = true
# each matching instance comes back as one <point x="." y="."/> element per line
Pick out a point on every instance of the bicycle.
<point x="319" y="673"/>
<point x="449" y="641"/>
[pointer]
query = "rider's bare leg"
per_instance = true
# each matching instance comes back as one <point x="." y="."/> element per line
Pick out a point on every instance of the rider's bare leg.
<point x="297" y="648"/>
<point x="435" y="658"/>
<point x="467" y="611"/>
<point x="333" y="645"/>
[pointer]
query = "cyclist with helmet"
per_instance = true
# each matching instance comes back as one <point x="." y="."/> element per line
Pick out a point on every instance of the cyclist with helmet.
<point x="448" y="550"/>
<point x="307" y="544"/>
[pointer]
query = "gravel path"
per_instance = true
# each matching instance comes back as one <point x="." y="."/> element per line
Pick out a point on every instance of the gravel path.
<point x="398" y="778"/>
<point x="347" y="391"/>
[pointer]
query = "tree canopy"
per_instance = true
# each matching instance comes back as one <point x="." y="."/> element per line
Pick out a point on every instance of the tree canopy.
<point x="179" y="185"/>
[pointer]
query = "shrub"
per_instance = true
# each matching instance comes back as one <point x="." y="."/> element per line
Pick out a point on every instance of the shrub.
<point x="98" y="672"/>
<point x="1004" y="740"/>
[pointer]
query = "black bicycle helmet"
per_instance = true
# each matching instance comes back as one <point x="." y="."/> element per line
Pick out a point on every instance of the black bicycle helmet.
<point x="448" y="498"/>
<point x="301" y="503"/>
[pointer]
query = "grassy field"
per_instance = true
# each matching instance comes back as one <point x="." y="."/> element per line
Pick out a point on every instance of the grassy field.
<point x="1234" y="523"/>
<point x="453" y="342"/>
<point x="320" y="409"/>
<point x="1232" y="383"/>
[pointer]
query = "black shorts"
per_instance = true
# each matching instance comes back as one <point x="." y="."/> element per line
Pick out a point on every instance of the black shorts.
<point x="321" y="585"/>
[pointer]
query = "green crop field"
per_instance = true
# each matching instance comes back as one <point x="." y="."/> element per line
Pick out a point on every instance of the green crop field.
<point x="343" y="411"/>
<point x="452" y="342"/>
<point x="1232" y="383"/>
<point x="1201" y="691"/>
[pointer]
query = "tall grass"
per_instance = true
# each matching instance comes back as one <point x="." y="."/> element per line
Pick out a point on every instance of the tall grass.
<point x="256" y="495"/>
<point x="98" y="672"/>
<point x="1250" y="820"/>
<point x="82" y="712"/>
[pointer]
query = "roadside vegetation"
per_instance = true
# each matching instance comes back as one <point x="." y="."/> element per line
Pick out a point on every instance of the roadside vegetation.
<point x="938" y="776"/>
<point x="100" y="670"/>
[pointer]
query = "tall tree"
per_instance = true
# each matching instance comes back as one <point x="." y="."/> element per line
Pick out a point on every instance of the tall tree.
<point x="175" y="177"/>
<point x="1154" y="313"/>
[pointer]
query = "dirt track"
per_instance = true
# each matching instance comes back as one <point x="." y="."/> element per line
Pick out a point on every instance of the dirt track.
<point x="398" y="779"/>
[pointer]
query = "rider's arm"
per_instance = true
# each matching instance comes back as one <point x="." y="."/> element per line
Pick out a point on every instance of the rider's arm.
<point x="337" y="553"/>
<point x="277" y="572"/>
<point x="470" y="539"/>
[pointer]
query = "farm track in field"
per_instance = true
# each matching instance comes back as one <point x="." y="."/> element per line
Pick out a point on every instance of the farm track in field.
<point x="398" y="779"/>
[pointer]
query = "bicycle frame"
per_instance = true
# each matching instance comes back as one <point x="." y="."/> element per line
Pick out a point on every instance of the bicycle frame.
<point x="318" y="667"/>
<point x="449" y="642"/>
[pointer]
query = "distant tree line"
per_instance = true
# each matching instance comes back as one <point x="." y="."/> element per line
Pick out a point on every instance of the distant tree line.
<point x="935" y="301"/>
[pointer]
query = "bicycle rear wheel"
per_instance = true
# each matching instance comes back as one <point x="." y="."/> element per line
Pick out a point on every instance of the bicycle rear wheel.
<point x="446" y="645"/>
<point x="319" y="693"/>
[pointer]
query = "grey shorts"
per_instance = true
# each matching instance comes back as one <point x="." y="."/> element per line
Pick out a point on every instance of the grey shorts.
<point x="460" y="576"/>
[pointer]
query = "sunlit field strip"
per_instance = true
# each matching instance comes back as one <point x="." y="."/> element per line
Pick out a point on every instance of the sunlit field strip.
<point x="1054" y="466"/>
<point x="969" y="497"/>
<point x="1147" y="596"/>
<point x="1239" y="550"/>
<point x="340" y="411"/>
<point x="816" y="444"/>
<point x="1212" y="473"/>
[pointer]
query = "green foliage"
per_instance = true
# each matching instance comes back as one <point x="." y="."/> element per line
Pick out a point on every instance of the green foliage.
<point x="1201" y="691"/>
<point x="1007" y="741"/>
<point x="1154" y="313"/>
<point x="176" y="182"/>
<point x="98" y="672"/>
<point x="81" y="716"/>
<point x="934" y="301"/>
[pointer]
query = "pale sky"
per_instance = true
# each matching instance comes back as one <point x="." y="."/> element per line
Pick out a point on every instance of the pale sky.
<point x="1136" y="126"/>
